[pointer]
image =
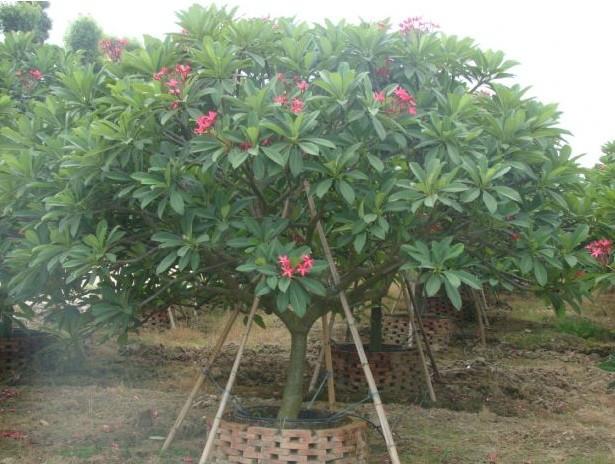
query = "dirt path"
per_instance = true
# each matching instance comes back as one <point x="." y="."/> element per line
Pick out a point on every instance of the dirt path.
<point x="534" y="396"/>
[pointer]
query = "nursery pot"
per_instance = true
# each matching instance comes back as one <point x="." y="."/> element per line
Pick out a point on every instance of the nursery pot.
<point x="17" y="351"/>
<point x="256" y="436"/>
<point x="438" y="331"/>
<point x="397" y="372"/>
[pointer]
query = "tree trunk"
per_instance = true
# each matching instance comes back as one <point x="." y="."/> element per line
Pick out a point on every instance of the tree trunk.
<point x="293" y="390"/>
<point x="375" y="334"/>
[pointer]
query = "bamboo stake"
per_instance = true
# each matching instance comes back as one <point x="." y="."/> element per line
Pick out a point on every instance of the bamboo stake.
<point x="484" y="300"/>
<point x="211" y="437"/>
<point x="479" y="317"/>
<point x="326" y="345"/>
<point x="316" y="372"/>
<point x="419" y="320"/>
<point x="321" y="357"/>
<point x="201" y="378"/>
<point x="419" y="345"/>
<point x="171" y="318"/>
<point x="373" y="389"/>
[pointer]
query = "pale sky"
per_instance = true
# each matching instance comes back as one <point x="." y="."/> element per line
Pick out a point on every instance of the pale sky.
<point x="565" y="47"/>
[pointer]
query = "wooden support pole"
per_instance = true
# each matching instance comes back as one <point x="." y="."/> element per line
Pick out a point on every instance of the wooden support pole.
<point x="419" y="344"/>
<point x="479" y="318"/>
<point x="201" y="378"/>
<point x="326" y="346"/>
<point x="419" y="321"/>
<point x="373" y="389"/>
<point x="211" y="437"/>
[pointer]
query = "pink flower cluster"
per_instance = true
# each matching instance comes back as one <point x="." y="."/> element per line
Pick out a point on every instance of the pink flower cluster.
<point x="403" y="101"/>
<point x="113" y="48"/>
<point x="36" y="74"/>
<point x="296" y="105"/>
<point x="600" y="248"/>
<point x="205" y="122"/>
<point x="174" y="79"/>
<point x="416" y="23"/>
<point x="303" y="268"/>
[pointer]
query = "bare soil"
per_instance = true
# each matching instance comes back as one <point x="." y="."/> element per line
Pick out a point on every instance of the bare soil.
<point x="534" y="395"/>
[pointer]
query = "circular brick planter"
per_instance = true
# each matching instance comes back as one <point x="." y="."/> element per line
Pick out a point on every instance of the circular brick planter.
<point x="397" y="372"/>
<point x="238" y="442"/>
<point x="396" y="330"/>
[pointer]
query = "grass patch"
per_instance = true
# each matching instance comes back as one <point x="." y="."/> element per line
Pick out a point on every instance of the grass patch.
<point x="609" y="364"/>
<point x="583" y="327"/>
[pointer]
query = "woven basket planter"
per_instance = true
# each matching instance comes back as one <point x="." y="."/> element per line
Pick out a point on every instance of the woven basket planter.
<point x="17" y="351"/>
<point x="245" y="443"/>
<point x="397" y="372"/>
<point x="158" y="321"/>
<point x="396" y="330"/>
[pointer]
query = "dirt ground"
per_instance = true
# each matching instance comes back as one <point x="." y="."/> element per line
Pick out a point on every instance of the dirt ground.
<point x="534" y="395"/>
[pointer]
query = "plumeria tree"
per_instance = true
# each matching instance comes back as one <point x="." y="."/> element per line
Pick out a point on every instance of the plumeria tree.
<point x="178" y="173"/>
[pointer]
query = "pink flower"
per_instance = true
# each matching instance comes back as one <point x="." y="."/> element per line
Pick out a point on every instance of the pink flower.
<point x="245" y="146"/>
<point x="600" y="248"/>
<point x="379" y="96"/>
<point x="173" y="84"/>
<point x="403" y="95"/>
<point x="287" y="272"/>
<point x="296" y="105"/>
<point x="266" y="142"/>
<point x="281" y="77"/>
<point x="302" y="86"/>
<point x="175" y="104"/>
<point x="183" y="70"/>
<point x="303" y="268"/>
<point x="205" y="122"/>
<point x="405" y="99"/>
<point x="280" y="100"/>
<point x="416" y="23"/>
<point x="160" y="74"/>
<point x="36" y="74"/>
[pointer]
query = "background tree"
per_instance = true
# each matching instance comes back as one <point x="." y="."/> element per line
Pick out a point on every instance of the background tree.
<point x="84" y="35"/>
<point x="26" y="17"/>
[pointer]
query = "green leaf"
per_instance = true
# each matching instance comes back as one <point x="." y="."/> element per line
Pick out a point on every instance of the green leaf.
<point x="490" y="202"/>
<point x="237" y="158"/>
<point x="166" y="262"/>
<point x="309" y="148"/>
<point x="247" y="267"/>
<point x="313" y="286"/>
<point x="283" y="284"/>
<point x="177" y="202"/>
<point x="507" y="192"/>
<point x="274" y="156"/>
<point x="433" y="284"/>
<point x="298" y="299"/>
<point x="359" y="242"/>
<point x="346" y="191"/>
<point x="453" y="294"/>
<point x="376" y="162"/>
<point x="379" y="128"/>
<point x="540" y="273"/>
<point x="323" y="187"/>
